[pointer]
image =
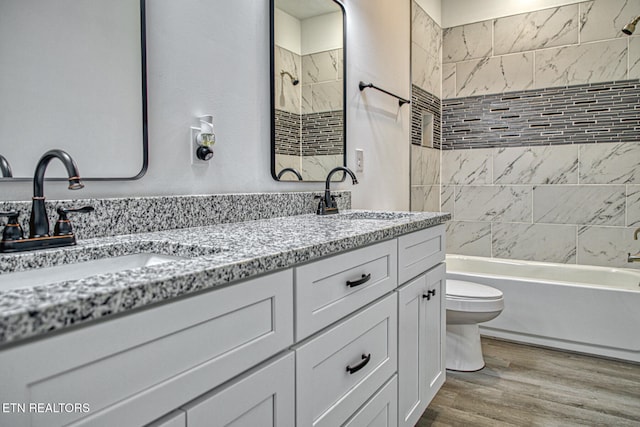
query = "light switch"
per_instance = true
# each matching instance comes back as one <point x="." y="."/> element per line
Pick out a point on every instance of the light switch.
<point x="359" y="160"/>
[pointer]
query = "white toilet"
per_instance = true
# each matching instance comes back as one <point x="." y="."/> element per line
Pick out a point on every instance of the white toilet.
<point x="468" y="304"/>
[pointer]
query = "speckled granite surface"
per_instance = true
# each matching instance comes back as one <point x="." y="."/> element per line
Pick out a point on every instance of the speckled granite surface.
<point x="218" y="254"/>
<point x="117" y="216"/>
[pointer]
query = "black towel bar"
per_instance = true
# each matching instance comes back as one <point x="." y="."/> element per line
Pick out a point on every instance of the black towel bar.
<point x="401" y="100"/>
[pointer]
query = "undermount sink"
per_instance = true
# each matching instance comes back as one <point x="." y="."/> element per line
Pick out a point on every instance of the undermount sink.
<point x="374" y="215"/>
<point x="80" y="270"/>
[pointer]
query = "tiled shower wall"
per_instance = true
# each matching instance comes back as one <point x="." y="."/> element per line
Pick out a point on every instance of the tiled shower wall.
<point x="426" y="54"/>
<point x="578" y="202"/>
<point x="313" y="141"/>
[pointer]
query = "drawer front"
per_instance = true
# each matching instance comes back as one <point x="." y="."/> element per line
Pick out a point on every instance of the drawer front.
<point x="332" y="288"/>
<point x="262" y="397"/>
<point x="133" y="369"/>
<point x="381" y="410"/>
<point x="420" y="251"/>
<point x="339" y="370"/>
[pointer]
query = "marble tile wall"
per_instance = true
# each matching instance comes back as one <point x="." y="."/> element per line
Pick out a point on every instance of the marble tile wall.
<point x="567" y="203"/>
<point x="540" y="159"/>
<point x="322" y="85"/>
<point x="561" y="46"/>
<point x="426" y="91"/>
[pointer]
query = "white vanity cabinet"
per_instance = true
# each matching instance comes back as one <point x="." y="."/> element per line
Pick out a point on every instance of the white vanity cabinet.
<point x="354" y="339"/>
<point x="421" y="322"/>
<point x="264" y="396"/>
<point x="133" y="369"/>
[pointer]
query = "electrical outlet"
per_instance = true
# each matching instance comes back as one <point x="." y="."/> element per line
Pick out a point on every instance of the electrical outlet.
<point x="193" y="147"/>
<point x="359" y="160"/>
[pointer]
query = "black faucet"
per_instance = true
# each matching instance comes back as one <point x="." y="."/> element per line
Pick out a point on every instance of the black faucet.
<point x="5" y="168"/>
<point x="327" y="204"/>
<point x="39" y="237"/>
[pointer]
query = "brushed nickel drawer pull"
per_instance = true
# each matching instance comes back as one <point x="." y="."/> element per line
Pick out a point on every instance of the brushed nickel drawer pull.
<point x="365" y="279"/>
<point x="365" y="360"/>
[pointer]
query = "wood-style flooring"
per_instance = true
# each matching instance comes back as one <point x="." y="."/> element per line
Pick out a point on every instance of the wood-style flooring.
<point x="530" y="386"/>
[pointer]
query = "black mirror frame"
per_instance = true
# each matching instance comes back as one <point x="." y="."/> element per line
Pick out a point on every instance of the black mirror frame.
<point x="274" y="173"/>
<point x="145" y="130"/>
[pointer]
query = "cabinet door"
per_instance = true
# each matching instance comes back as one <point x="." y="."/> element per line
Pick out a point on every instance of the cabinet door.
<point x="262" y="397"/>
<point x="434" y="333"/>
<point x="421" y="329"/>
<point x="411" y="354"/>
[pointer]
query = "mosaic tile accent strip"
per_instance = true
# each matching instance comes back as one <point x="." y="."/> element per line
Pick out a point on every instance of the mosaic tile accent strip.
<point x="322" y="133"/>
<point x="582" y="114"/>
<point x="424" y="102"/>
<point x="287" y="133"/>
<point x="119" y="216"/>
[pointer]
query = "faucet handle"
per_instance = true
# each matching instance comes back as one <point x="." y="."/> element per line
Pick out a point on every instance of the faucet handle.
<point x="13" y="229"/>
<point x="63" y="225"/>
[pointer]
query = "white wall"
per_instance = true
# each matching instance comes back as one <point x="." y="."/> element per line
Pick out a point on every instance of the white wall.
<point x="460" y="12"/>
<point x="288" y="32"/>
<point x="378" y="45"/>
<point x="322" y="33"/>
<point x="213" y="57"/>
<point x="433" y="9"/>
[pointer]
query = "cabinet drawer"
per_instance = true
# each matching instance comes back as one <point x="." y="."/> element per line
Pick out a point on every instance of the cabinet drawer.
<point x="263" y="396"/>
<point x="339" y="370"/>
<point x="381" y="410"/>
<point x="420" y="251"/>
<point x="133" y="369"/>
<point x="332" y="288"/>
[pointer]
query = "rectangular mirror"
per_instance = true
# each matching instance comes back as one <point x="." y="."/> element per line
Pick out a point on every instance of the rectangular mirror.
<point x="308" y="121"/>
<point x="72" y="76"/>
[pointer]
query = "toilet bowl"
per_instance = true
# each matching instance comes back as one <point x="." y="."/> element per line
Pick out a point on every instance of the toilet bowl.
<point x="468" y="304"/>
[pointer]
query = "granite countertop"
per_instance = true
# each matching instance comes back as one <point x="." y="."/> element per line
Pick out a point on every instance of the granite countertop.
<point x="216" y="255"/>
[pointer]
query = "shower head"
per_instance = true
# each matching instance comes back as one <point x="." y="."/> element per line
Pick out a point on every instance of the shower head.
<point x="631" y="26"/>
<point x="294" y="80"/>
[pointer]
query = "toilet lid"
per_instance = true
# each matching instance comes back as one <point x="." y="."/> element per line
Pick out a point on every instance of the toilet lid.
<point x="462" y="289"/>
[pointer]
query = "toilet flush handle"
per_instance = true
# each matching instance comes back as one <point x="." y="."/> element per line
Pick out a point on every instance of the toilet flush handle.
<point x="430" y="293"/>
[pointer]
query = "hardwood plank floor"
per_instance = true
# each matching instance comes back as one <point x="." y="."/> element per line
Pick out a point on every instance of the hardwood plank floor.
<point x="530" y="386"/>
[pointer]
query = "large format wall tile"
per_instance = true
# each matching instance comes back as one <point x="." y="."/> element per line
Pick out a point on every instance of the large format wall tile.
<point x="426" y="32"/>
<point x="448" y="81"/>
<point x="534" y="242"/>
<point x="322" y="66"/>
<point x="606" y="246"/>
<point x="447" y="195"/>
<point x="633" y="206"/>
<point x="586" y="63"/>
<point x="610" y="163"/>
<point x="494" y="75"/>
<point x="287" y="95"/>
<point x="536" y="30"/>
<point x="603" y="19"/>
<point x="425" y="165"/>
<point x="634" y="57"/>
<point x="507" y="203"/>
<point x="466" y="42"/>
<point x="327" y="96"/>
<point x="556" y="164"/>
<point x="469" y="238"/>
<point x="425" y="70"/>
<point x="425" y="198"/>
<point x="464" y="167"/>
<point x="577" y="204"/>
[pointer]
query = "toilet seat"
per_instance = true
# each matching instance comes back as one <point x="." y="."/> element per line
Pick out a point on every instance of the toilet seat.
<point x="473" y="297"/>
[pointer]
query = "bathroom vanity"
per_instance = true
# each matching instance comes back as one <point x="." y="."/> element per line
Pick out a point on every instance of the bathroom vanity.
<point x="300" y="320"/>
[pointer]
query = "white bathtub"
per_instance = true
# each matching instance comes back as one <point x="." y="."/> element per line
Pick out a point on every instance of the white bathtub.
<point x="587" y="309"/>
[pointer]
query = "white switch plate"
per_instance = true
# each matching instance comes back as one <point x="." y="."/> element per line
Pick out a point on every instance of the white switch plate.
<point x="359" y="160"/>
